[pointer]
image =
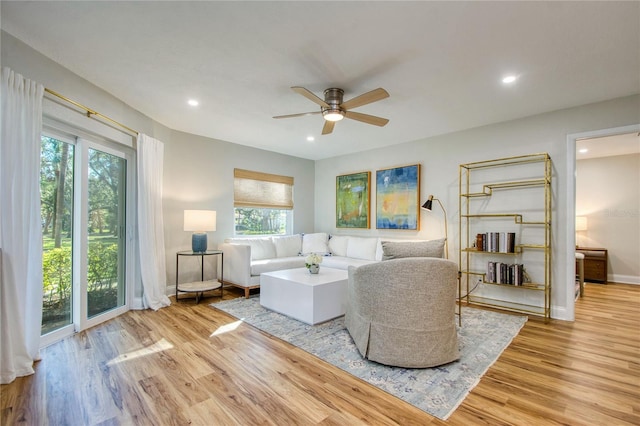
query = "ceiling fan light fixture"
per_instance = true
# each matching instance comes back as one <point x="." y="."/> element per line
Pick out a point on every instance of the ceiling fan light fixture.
<point x="333" y="115"/>
<point x="334" y="109"/>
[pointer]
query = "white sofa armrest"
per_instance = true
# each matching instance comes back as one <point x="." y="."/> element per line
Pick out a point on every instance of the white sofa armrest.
<point x="237" y="263"/>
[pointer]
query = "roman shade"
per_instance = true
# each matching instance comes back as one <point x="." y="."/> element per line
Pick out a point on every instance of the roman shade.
<point x="262" y="190"/>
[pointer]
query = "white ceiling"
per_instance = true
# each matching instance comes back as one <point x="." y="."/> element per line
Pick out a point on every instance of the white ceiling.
<point x="608" y="146"/>
<point x="441" y="62"/>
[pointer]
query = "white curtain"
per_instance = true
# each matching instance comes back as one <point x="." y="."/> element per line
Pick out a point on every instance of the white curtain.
<point x="150" y="223"/>
<point x="20" y="226"/>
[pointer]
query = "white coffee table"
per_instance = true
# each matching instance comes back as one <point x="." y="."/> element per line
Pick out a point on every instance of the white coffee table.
<point x="310" y="298"/>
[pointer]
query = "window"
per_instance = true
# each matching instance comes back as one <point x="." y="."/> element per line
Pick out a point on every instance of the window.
<point x="263" y="203"/>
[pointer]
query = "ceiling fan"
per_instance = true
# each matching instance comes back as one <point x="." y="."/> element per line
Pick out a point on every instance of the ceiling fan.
<point x="334" y="109"/>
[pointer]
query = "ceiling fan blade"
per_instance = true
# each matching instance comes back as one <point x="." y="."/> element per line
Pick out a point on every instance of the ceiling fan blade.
<point x="298" y="115"/>
<point x="328" y="127"/>
<point x="309" y="95"/>
<point x="365" y="98"/>
<point x="366" y="118"/>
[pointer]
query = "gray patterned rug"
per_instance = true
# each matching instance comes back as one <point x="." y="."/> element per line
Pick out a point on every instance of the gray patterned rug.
<point x="438" y="391"/>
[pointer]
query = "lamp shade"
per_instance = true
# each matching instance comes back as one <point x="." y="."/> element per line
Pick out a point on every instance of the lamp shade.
<point x="199" y="220"/>
<point x="581" y="223"/>
<point x="428" y="204"/>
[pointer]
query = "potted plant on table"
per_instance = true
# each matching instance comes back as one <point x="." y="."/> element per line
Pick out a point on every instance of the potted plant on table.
<point x="312" y="262"/>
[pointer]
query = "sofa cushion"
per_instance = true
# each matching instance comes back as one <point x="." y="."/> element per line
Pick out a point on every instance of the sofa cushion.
<point x="315" y="243"/>
<point x="288" y="245"/>
<point x="397" y="249"/>
<point x="277" y="264"/>
<point x="261" y="248"/>
<point x="338" y="245"/>
<point x="362" y="248"/>
<point x="341" y="262"/>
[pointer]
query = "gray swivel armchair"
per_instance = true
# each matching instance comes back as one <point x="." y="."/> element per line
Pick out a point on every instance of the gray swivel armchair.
<point x="401" y="312"/>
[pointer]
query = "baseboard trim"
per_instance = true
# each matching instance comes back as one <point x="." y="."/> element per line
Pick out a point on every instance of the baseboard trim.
<point x="559" y="313"/>
<point x="624" y="279"/>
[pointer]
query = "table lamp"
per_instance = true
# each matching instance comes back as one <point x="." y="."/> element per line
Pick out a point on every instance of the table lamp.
<point x="199" y="222"/>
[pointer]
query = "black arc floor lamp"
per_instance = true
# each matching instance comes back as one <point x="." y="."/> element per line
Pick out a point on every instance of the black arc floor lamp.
<point x="428" y="206"/>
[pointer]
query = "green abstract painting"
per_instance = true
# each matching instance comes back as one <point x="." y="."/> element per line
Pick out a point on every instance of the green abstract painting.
<point x="352" y="200"/>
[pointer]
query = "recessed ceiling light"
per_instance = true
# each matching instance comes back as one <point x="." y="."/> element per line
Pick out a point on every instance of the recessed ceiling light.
<point x="193" y="102"/>
<point x="311" y="138"/>
<point x="583" y="151"/>
<point x="509" y="79"/>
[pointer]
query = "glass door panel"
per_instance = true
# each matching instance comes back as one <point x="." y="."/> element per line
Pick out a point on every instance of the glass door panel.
<point x="56" y="204"/>
<point x="105" y="232"/>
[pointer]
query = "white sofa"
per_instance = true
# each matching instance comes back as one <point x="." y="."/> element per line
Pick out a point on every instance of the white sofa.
<point x="246" y="258"/>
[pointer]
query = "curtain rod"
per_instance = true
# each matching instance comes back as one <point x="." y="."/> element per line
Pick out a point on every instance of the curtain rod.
<point x="91" y="112"/>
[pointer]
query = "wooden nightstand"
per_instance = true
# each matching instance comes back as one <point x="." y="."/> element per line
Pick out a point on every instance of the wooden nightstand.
<point x="595" y="264"/>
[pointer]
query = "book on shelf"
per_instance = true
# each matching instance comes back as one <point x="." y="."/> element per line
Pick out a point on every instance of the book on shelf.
<point x="496" y="242"/>
<point x="511" y="242"/>
<point x="503" y="273"/>
<point x="502" y="242"/>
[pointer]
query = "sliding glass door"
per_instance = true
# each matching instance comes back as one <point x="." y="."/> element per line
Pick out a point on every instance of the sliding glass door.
<point x="56" y="197"/>
<point x="105" y="232"/>
<point x="84" y="189"/>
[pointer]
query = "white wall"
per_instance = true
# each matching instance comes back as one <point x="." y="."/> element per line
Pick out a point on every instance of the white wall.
<point x="199" y="175"/>
<point x="33" y="65"/>
<point x="608" y="194"/>
<point x="198" y="171"/>
<point x="440" y="157"/>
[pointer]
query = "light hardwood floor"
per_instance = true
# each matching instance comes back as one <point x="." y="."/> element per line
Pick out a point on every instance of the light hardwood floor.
<point x="191" y="364"/>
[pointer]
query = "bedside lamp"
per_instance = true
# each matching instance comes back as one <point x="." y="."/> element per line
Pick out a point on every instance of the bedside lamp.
<point x="199" y="222"/>
<point x="581" y="225"/>
<point x="428" y="206"/>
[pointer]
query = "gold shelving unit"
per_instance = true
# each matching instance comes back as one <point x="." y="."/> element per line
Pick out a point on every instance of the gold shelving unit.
<point x="473" y="214"/>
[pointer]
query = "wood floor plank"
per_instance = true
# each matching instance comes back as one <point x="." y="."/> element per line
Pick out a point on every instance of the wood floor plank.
<point x="191" y="364"/>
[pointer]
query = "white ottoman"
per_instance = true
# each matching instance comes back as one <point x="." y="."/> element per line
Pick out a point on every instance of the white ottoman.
<point x="310" y="298"/>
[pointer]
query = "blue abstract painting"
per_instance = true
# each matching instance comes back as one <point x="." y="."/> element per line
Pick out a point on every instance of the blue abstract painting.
<point x="397" y="198"/>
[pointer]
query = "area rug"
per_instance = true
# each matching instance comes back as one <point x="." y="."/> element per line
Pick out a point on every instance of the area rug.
<point x="437" y="391"/>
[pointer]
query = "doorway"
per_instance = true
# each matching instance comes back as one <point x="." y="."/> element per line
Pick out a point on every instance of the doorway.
<point x="598" y="140"/>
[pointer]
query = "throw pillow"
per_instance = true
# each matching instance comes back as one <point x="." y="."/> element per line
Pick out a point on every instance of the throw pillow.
<point x="315" y="243"/>
<point x="261" y="248"/>
<point x="362" y="248"/>
<point x="338" y="245"/>
<point x="397" y="250"/>
<point x="288" y="245"/>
